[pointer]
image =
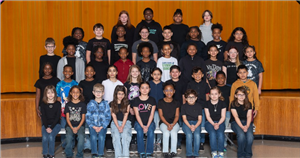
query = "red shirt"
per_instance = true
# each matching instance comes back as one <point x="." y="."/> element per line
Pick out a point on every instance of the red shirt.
<point x="123" y="69"/>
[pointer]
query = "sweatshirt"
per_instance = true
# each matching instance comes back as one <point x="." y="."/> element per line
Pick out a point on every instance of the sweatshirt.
<point x="155" y="31"/>
<point x="79" y="68"/>
<point x="98" y="114"/>
<point x="187" y="64"/>
<point x="201" y="49"/>
<point x="206" y="33"/>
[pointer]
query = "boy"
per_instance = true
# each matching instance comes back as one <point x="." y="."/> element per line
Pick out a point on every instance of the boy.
<point x="250" y="86"/>
<point x="146" y="65"/>
<point x="98" y="40"/>
<point x="96" y="109"/>
<point x="202" y="89"/>
<point x="123" y="65"/>
<point x="175" y="48"/>
<point x="49" y="57"/>
<point x="100" y="65"/>
<point x="166" y="61"/>
<point x="216" y="33"/>
<point x="119" y="43"/>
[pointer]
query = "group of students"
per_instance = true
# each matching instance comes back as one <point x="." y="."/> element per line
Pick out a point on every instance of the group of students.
<point x="149" y="78"/>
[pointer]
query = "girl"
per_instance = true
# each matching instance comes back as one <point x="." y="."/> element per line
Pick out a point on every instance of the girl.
<point x="241" y="122"/>
<point x="237" y="39"/>
<point x="230" y="66"/>
<point x="254" y="66"/>
<point x="166" y="61"/>
<point x="75" y="111"/>
<point x="168" y="110"/>
<point x="50" y="109"/>
<point x="215" y="112"/>
<point x="144" y="108"/>
<point x="100" y="65"/>
<point x="194" y="36"/>
<point x="111" y="83"/>
<point x="206" y="26"/>
<point x="121" y="125"/>
<point x="179" y="29"/>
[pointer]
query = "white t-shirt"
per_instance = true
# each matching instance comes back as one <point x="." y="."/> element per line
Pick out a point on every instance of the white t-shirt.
<point x="109" y="88"/>
<point x="164" y="64"/>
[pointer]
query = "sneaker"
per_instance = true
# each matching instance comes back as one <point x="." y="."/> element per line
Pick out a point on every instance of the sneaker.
<point x="178" y="148"/>
<point x="133" y="148"/>
<point x="51" y="156"/>
<point x="166" y="155"/>
<point x="87" y="150"/>
<point x="225" y="149"/>
<point x="214" y="154"/>
<point x="173" y="154"/>
<point x="149" y="155"/>
<point x="45" y="156"/>
<point x="221" y="155"/>
<point x="109" y="152"/>
<point x="95" y="155"/>
<point x="201" y="146"/>
<point x="142" y="155"/>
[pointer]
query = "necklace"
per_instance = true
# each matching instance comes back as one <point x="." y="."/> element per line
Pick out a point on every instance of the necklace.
<point x="215" y="107"/>
<point x="50" y="106"/>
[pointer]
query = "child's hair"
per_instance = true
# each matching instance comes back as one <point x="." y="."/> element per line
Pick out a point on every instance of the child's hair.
<point x="124" y="103"/>
<point x="89" y="65"/>
<point x="95" y="49"/>
<point x="70" y="97"/>
<point x="98" y="25"/>
<point x="217" y="26"/>
<point x="121" y="26"/>
<point x="167" y="27"/>
<point x="47" y="63"/>
<point x="123" y="48"/>
<point x="77" y="28"/>
<point x="249" y="46"/>
<point x="168" y="84"/>
<point x="144" y="27"/>
<point x="237" y="63"/>
<point x="244" y="39"/>
<point x="148" y="9"/>
<point x="247" y="103"/>
<point x="98" y="86"/>
<point x="190" y="91"/>
<point x="220" y="73"/>
<point x="49" y="40"/>
<point x="129" y="25"/>
<point x="242" y="67"/>
<point x="178" y="11"/>
<point x="52" y="88"/>
<point x="196" y="69"/>
<point x="69" y="40"/>
<point x="213" y="45"/>
<point x="219" y="91"/>
<point x="175" y="67"/>
<point x="68" y="66"/>
<point x="145" y="44"/>
<point x="129" y="78"/>
<point x="209" y="12"/>
<point x="144" y="82"/>
<point x="109" y="68"/>
<point x="197" y="28"/>
<point x="191" y="44"/>
<point x="156" y="69"/>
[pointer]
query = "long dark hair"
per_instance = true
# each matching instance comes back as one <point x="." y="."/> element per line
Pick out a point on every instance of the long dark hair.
<point x="247" y="103"/>
<point x="51" y="88"/>
<point x="188" y="37"/>
<point x="124" y="103"/>
<point x="244" y="39"/>
<point x="253" y="48"/>
<point x="70" y="97"/>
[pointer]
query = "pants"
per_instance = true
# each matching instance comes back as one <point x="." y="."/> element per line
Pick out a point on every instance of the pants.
<point x="87" y="142"/>
<point x="216" y="137"/>
<point x="140" y="138"/>
<point x="156" y="121"/>
<point x="227" y="119"/>
<point x="48" y="140"/>
<point x="202" y="135"/>
<point x="166" y="136"/>
<point x="70" y="139"/>
<point x="97" y="147"/>
<point x="192" y="137"/>
<point x="121" y="141"/>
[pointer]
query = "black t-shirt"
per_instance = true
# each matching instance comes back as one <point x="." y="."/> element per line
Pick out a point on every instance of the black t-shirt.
<point x="168" y="109"/>
<point x="242" y="113"/>
<point x="129" y="34"/>
<point x="144" y="107"/>
<point x="180" y="88"/>
<point x="191" y="111"/>
<point x="215" y="110"/>
<point x="75" y="112"/>
<point x="100" y="69"/>
<point x="212" y="67"/>
<point x="201" y="88"/>
<point x="115" y="47"/>
<point x="174" y="46"/>
<point x="94" y="43"/>
<point x="120" y="115"/>
<point x="87" y="87"/>
<point x="71" y="61"/>
<point x="225" y="90"/>
<point x="51" y="114"/>
<point x="231" y="72"/>
<point x="42" y="83"/>
<point x="146" y="68"/>
<point x="239" y="45"/>
<point x="132" y="91"/>
<point x="221" y="46"/>
<point x="179" y="32"/>
<point x="51" y="59"/>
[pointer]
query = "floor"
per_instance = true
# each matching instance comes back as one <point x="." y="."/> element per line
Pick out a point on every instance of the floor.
<point x="261" y="149"/>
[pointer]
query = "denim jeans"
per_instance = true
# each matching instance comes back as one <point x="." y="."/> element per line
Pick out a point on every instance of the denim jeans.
<point x="244" y="139"/>
<point x="140" y="137"/>
<point x="227" y="119"/>
<point x="121" y="141"/>
<point x="70" y="139"/>
<point x="192" y="137"/>
<point x="94" y="136"/>
<point x="156" y="121"/>
<point x="202" y="135"/>
<point x="87" y="142"/>
<point x="48" y="140"/>
<point x="216" y="137"/>
<point x="180" y="136"/>
<point x="63" y="123"/>
<point x="166" y="136"/>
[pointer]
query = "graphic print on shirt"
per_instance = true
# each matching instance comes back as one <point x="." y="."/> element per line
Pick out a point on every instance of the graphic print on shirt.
<point x="212" y="71"/>
<point x="64" y="97"/>
<point x="167" y="65"/>
<point x="247" y="89"/>
<point x="146" y="73"/>
<point x="75" y="114"/>
<point x="79" y="50"/>
<point x="219" y="47"/>
<point x="252" y="69"/>
<point x="134" y="92"/>
<point x="117" y="46"/>
<point x="152" y="31"/>
<point x="144" y="107"/>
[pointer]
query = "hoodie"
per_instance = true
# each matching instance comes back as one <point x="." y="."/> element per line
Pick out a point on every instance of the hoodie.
<point x="155" y="31"/>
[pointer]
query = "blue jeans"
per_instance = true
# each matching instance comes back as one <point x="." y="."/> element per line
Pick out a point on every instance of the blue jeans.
<point x="63" y="123"/>
<point x="140" y="138"/>
<point x="70" y="140"/>
<point x="94" y="136"/>
<point x="156" y="121"/>
<point x="216" y="137"/>
<point x="192" y="136"/>
<point x="87" y="142"/>
<point x="202" y="135"/>
<point x="121" y="141"/>
<point x="244" y="139"/>
<point x="48" y="140"/>
<point x="180" y="122"/>
<point x="227" y="119"/>
<point x="166" y="135"/>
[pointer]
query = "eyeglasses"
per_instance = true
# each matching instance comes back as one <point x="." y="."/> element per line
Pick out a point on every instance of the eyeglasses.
<point x="191" y="98"/>
<point x="240" y="95"/>
<point x="50" y="46"/>
<point x="98" y="91"/>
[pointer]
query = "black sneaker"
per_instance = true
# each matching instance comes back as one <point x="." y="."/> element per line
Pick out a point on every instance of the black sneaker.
<point x="178" y="148"/>
<point x="133" y="148"/>
<point x="45" y="156"/>
<point x="87" y="150"/>
<point x="201" y="146"/>
<point x="173" y="154"/>
<point x="51" y="156"/>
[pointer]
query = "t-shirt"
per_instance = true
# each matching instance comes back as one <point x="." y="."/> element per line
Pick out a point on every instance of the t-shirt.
<point x="132" y="91"/>
<point x="201" y="88"/>
<point x="63" y="89"/>
<point x="164" y="64"/>
<point x="50" y="114"/>
<point x="240" y="47"/>
<point x="100" y="69"/>
<point x="75" y="112"/>
<point x="128" y="37"/>
<point x="212" y="67"/>
<point x="180" y="88"/>
<point x="146" y="68"/>
<point x="71" y="61"/>
<point x="115" y="47"/>
<point x="254" y="69"/>
<point x="215" y="110"/>
<point x="168" y="109"/>
<point x="135" y="46"/>
<point x="51" y="59"/>
<point x="231" y="72"/>
<point x="109" y="88"/>
<point x="179" y="32"/>
<point x="43" y="83"/>
<point x="225" y="90"/>
<point x="87" y="87"/>
<point x="174" y="46"/>
<point x="94" y="43"/>
<point x="206" y="33"/>
<point x="191" y="111"/>
<point x="144" y="107"/>
<point x="119" y="114"/>
<point x="221" y="47"/>
<point x="242" y="113"/>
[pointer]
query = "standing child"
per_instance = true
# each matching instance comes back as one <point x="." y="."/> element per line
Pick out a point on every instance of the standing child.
<point x="166" y="61"/>
<point x="117" y="44"/>
<point x="144" y="108"/>
<point x="206" y="26"/>
<point x="121" y="125"/>
<point x="100" y="65"/>
<point x="98" y="108"/>
<point x="50" y="109"/>
<point x="254" y="66"/>
<point x="75" y="115"/>
<point x="175" y="48"/>
<point x="230" y="66"/>
<point x="123" y="64"/>
<point x="179" y="29"/>
<point x="215" y="111"/>
<point x="216" y="34"/>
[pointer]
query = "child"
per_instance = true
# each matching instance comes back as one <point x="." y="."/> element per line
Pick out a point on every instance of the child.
<point x="168" y="110"/>
<point x="98" y="108"/>
<point x="144" y="108"/>
<point x="216" y="34"/>
<point x="121" y="125"/>
<point x="190" y="61"/>
<point x="192" y="116"/>
<point x="41" y="83"/>
<point x="231" y="65"/>
<point x="254" y="66"/>
<point x="100" y="65"/>
<point x="154" y="27"/>
<point x="212" y="65"/>
<point x="237" y="39"/>
<point x="241" y="122"/>
<point x="144" y="33"/>
<point x="194" y="36"/>
<point x="123" y="64"/>
<point x="117" y="44"/>
<point x="50" y="109"/>
<point x="166" y="61"/>
<point x="75" y="115"/>
<point x="76" y="63"/>
<point x="146" y="65"/>
<point x="179" y="29"/>
<point x="215" y="111"/>
<point x="175" y="48"/>
<point x="49" y="57"/>
<point x="98" y="40"/>
<point x="206" y="26"/>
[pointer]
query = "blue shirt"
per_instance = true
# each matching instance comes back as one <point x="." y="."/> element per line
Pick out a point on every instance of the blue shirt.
<point x="98" y="114"/>
<point x="156" y="91"/>
<point x="62" y="90"/>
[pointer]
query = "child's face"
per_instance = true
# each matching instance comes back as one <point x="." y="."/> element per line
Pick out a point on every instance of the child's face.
<point x="50" y="48"/>
<point x="112" y="72"/>
<point x="144" y="34"/>
<point x="120" y="95"/>
<point x="156" y="75"/>
<point x="78" y="35"/>
<point x="194" y="33"/>
<point x="214" y="95"/>
<point x="207" y="17"/>
<point x="98" y="32"/>
<point x="249" y="53"/>
<point x="75" y="93"/>
<point x="169" y="91"/>
<point x="216" y="34"/>
<point x="240" y="96"/>
<point x="98" y="93"/>
<point x="47" y="70"/>
<point x="220" y="79"/>
<point x="135" y="72"/>
<point x="89" y="72"/>
<point x="70" y="50"/>
<point x="68" y="72"/>
<point x="213" y="52"/>
<point x="242" y="73"/>
<point x="232" y="53"/>
<point x="145" y="89"/>
<point x="123" y="18"/>
<point x="175" y="74"/>
<point x="99" y="54"/>
<point x="50" y="94"/>
<point x="145" y="52"/>
<point x="191" y="99"/>
<point x="238" y="36"/>
<point x="123" y="54"/>
<point x="197" y="76"/>
<point x="148" y="15"/>
<point x="167" y="50"/>
<point x="192" y="50"/>
<point x="167" y="34"/>
<point x="177" y="18"/>
<point x="120" y="32"/>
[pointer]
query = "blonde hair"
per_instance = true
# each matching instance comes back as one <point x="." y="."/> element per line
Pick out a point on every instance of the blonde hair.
<point x="237" y="58"/>
<point x="98" y="86"/>
<point x="129" y="77"/>
<point x="219" y="91"/>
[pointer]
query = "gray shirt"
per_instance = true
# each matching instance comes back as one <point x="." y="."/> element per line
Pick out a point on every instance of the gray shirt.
<point x="135" y="49"/>
<point x="206" y="33"/>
